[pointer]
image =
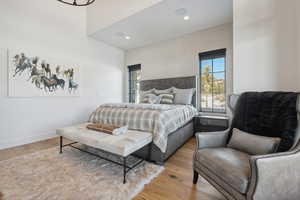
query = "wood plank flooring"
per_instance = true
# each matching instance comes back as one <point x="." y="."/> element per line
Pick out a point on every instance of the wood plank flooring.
<point x="174" y="183"/>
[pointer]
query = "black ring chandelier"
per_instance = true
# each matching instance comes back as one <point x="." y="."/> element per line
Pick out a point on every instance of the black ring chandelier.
<point x="75" y="3"/>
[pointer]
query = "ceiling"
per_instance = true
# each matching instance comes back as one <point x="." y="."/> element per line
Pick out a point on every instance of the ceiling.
<point x="165" y="21"/>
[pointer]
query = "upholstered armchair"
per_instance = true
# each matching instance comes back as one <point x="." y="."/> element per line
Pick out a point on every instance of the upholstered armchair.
<point x="240" y="176"/>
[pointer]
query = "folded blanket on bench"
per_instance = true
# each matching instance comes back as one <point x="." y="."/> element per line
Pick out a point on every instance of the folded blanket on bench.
<point x="109" y="129"/>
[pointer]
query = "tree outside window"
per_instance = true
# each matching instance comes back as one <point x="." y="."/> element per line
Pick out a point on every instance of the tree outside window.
<point x="213" y="81"/>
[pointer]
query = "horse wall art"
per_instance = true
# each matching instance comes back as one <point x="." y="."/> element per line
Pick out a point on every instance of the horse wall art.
<point x="31" y="75"/>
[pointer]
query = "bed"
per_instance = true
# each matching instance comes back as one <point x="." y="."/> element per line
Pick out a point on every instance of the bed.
<point x="179" y="137"/>
<point x="171" y="125"/>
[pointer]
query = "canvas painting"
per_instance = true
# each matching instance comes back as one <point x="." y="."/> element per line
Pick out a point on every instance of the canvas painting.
<point x="31" y="75"/>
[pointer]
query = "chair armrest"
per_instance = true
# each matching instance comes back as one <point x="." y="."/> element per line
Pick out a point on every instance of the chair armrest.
<point x="275" y="176"/>
<point x="212" y="139"/>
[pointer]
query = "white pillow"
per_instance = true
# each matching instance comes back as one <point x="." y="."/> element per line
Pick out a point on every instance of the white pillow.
<point x="183" y="96"/>
<point x="158" y="92"/>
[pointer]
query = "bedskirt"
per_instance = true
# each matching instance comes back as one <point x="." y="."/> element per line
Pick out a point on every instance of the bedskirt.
<point x="175" y="140"/>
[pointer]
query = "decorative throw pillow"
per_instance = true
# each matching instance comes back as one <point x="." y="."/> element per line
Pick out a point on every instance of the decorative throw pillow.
<point x="151" y="98"/>
<point x="143" y="93"/>
<point x="158" y="92"/>
<point x="167" y="98"/>
<point x="183" y="96"/>
<point x="253" y="144"/>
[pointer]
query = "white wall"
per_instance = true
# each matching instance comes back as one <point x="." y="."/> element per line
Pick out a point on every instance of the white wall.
<point x="50" y="29"/>
<point x="265" y="45"/>
<point x="104" y="13"/>
<point x="298" y="39"/>
<point x="179" y="57"/>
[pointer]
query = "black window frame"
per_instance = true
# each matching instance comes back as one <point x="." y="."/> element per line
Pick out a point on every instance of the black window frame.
<point x="213" y="55"/>
<point x="132" y="68"/>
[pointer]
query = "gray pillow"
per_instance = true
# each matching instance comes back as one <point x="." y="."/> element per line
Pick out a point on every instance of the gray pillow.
<point x="183" y="96"/>
<point x="143" y="93"/>
<point x="253" y="144"/>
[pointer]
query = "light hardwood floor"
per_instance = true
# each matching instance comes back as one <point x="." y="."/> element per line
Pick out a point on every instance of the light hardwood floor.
<point x="174" y="183"/>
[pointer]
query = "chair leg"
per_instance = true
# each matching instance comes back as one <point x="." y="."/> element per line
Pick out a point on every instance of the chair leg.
<point x="124" y="170"/>
<point x="196" y="176"/>
<point x="60" y="144"/>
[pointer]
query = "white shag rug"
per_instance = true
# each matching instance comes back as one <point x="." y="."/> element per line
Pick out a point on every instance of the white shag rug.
<point x="72" y="175"/>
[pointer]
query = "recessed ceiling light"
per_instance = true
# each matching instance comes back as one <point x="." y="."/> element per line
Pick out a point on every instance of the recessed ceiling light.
<point x="186" y="17"/>
<point x="127" y="37"/>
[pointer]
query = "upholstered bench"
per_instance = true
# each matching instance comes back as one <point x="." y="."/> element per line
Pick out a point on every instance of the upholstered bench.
<point x="122" y="145"/>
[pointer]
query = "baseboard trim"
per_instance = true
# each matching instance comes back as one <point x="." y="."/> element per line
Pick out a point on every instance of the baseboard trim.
<point x="26" y="140"/>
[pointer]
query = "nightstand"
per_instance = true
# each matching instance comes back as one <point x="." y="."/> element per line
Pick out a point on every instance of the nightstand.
<point x="204" y="123"/>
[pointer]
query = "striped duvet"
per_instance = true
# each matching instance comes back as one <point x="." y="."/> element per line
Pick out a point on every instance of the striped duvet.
<point x="159" y="119"/>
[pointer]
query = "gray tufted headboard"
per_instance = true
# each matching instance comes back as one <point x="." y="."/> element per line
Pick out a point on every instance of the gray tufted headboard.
<point x="178" y="82"/>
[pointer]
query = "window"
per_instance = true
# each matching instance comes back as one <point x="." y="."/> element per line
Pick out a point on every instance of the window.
<point x="213" y="81"/>
<point x="134" y="85"/>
